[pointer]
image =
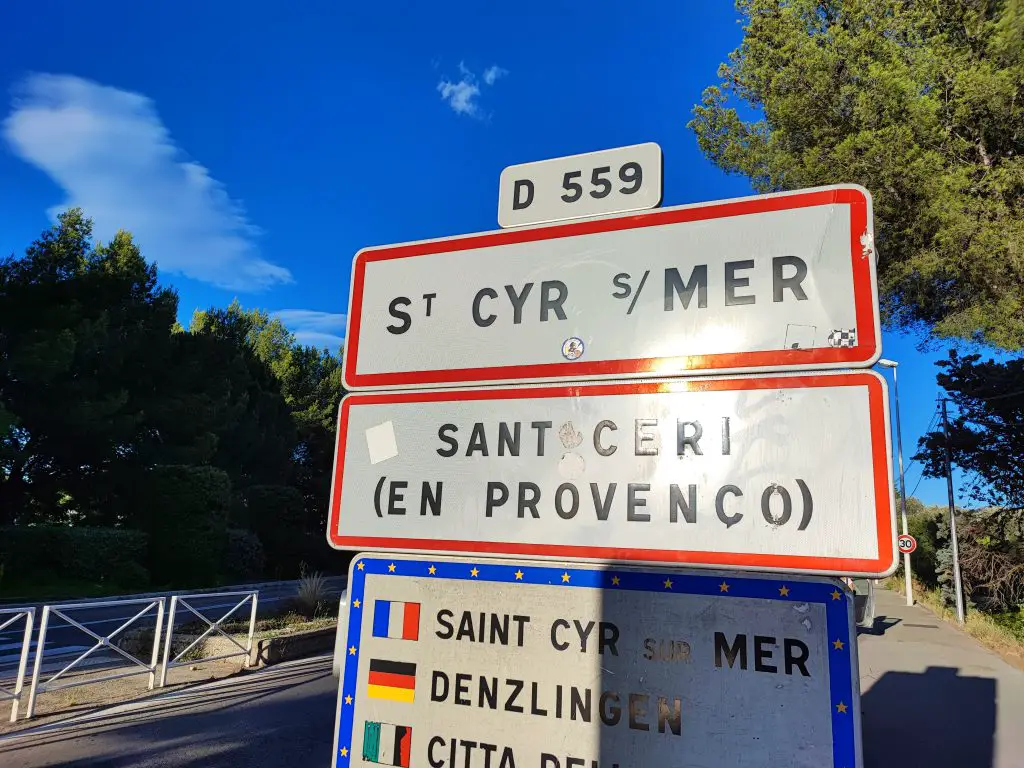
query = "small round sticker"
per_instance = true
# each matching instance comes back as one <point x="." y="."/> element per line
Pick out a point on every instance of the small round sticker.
<point x="572" y="348"/>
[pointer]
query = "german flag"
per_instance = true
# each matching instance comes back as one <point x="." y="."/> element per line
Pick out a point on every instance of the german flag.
<point x="391" y="680"/>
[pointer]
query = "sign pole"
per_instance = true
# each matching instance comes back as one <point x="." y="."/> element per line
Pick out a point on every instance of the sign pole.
<point x="903" y="488"/>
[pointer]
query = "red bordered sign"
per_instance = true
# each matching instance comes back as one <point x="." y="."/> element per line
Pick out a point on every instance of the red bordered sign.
<point x="768" y="283"/>
<point x="786" y="473"/>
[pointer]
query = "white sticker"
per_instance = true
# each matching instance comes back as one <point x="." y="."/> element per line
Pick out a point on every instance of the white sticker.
<point x="800" y="336"/>
<point x="381" y="443"/>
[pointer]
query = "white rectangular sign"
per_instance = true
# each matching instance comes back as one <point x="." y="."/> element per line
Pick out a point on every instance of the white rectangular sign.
<point x="777" y="282"/>
<point x="786" y="474"/>
<point x="577" y="186"/>
<point x="506" y="664"/>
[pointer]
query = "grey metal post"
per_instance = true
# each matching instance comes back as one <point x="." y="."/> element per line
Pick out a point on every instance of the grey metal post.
<point x="155" y="658"/>
<point x="252" y="630"/>
<point x="167" y="642"/>
<point x="26" y="644"/>
<point x="37" y="667"/>
<point x="903" y="488"/>
<point x="952" y="518"/>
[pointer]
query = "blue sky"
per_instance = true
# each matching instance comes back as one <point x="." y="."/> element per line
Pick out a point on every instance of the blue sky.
<point x="252" y="148"/>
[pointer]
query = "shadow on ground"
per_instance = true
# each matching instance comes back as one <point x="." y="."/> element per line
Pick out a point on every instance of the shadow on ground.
<point x="904" y="711"/>
<point x="879" y="626"/>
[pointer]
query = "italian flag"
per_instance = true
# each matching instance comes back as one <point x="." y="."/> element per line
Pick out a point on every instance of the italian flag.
<point x="387" y="744"/>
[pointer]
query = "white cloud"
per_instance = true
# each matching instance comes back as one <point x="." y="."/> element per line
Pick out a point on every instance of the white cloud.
<point x="314" y="328"/>
<point x="492" y="73"/>
<point x="462" y="95"/>
<point x="112" y="155"/>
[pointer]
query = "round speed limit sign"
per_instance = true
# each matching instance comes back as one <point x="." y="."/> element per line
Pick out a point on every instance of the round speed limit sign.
<point x="907" y="543"/>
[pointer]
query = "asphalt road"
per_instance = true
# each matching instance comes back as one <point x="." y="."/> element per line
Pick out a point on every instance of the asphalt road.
<point x="931" y="697"/>
<point x="282" y="716"/>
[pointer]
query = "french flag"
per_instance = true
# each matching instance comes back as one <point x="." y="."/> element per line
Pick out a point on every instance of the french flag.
<point x="398" y="621"/>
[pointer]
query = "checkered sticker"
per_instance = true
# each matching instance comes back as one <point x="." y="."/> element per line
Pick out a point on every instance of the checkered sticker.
<point x="843" y="337"/>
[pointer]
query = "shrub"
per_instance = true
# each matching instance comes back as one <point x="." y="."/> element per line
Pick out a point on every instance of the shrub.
<point x="276" y="514"/>
<point x="312" y="598"/>
<point x="320" y="556"/>
<point x="243" y="555"/>
<point x="186" y="519"/>
<point x="88" y="553"/>
<point x="992" y="558"/>
<point x="924" y="526"/>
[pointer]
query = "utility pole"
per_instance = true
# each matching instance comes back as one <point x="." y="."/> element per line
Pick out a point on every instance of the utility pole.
<point x="952" y="518"/>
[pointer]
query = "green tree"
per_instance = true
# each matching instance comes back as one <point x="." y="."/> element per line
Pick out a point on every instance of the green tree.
<point x="185" y="516"/>
<point x="257" y="440"/>
<point x="106" y="402"/>
<point x="987" y="443"/>
<point x="275" y="513"/>
<point x="986" y="428"/>
<point x="84" y="328"/>
<point x="922" y="104"/>
<point x="310" y="383"/>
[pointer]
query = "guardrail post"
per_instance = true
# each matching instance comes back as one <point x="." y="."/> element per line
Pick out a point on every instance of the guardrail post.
<point x="38" y="665"/>
<point x="155" y="658"/>
<point x="16" y="614"/>
<point x="252" y="630"/>
<point x="167" y="642"/>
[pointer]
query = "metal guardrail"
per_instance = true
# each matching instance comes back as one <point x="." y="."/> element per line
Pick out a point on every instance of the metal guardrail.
<point x="102" y="641"/>
<point x="29" y="615"/>
<point x="212" y="626"/>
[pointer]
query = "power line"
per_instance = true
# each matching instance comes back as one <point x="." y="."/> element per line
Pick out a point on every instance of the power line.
<point x="927" y="429"/>
<point x="998" y="397"/>
<point x="919" y="481"/>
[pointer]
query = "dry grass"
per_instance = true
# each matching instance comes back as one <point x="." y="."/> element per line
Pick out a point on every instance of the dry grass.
<point x="978" y="625"/>
<point x="279" y="625"/>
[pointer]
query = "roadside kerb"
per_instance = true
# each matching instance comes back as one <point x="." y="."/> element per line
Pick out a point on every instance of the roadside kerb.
<point x="297" y="645"/>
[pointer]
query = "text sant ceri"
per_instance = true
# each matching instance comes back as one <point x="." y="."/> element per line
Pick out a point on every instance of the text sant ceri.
<point x="507" y="438"/>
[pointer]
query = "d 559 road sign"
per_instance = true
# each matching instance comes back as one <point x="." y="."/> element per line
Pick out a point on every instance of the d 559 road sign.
<point x="610" y="181"/>
<point x="790" y="473"/>
<point x="906" y="543"/>
<point x="784" y="282"/>
<point x="512" y="664"/>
